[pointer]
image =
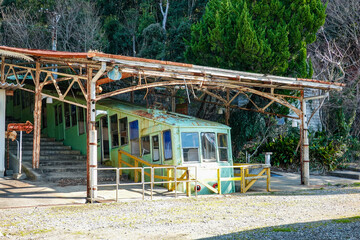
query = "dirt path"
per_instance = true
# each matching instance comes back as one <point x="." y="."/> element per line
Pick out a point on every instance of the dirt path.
<point x="300" y="215"/>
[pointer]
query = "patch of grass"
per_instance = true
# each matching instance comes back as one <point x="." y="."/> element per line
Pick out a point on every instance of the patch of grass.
<point x="24" y="233"/>
<point x="284" y="229"/>
<point x="315" y="225"/>
<point x="357" y="184"/>
<point x="78" y="233"/>
<point x="347" y="220"/>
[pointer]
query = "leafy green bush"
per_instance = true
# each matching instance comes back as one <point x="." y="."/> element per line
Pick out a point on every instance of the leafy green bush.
<point x="326" y="151"/>
<point x="283" y="149"/>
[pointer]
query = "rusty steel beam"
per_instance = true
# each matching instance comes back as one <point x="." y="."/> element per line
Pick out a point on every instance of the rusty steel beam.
<point x="2" y="69"/>
<point x="37" y="119"/>
<point x="200" y="85"/>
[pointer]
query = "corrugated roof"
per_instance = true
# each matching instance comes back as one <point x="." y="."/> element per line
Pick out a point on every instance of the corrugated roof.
<point x="209" y="76"/>
<point x="165" y="117"/>
<point x="10" y="86"/>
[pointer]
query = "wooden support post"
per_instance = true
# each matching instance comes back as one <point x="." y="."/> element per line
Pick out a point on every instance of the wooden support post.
<point x="242" y="181"/>
<point x="168" y="179"/>
<point x="268" y="180"/>
<point x="119" y="162"/>
<point x="188" y="190"/>
<point x="219" y="180"/>
<point x="37" y="119"/>
<point x="136" y="164"/>
<point x="246" y="175"/>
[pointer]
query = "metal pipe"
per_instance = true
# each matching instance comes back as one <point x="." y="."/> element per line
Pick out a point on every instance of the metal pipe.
<point x="92" y="137"/>
<point x="175" y="181"/>
<point x="306" y="176"/>
<point x="117" y="184"/>
<point x="317" y="97"/>
<point x="20" y="152"/>
<point x="143" y="183"/>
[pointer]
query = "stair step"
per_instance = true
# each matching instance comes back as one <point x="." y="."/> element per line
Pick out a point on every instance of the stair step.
<point x="46" y="152"/>
<point x="30" y="139"/>
<point x="56" y="147"/>
<point x="42" y="143"/>
<point x="56" y="157"/>
<point x="346" y="174"/>
<point x="69" y="178"/>
<point x="353" y="166"/>
<point x="64" y="163"/>
<point x="62" y="169"/>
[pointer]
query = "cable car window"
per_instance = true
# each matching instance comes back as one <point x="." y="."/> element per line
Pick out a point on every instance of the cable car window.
<point x="208" y="147"/>
<point x="167" y="145"/>
<point x="145" y="145"/>
<point x="223" y="147"/>
<point x="123" y="125"/>
<point x="134" y="137"/>
<point x="190" y="146"/>
<point x="155" y="148"/>
<point x="114" y="131"/>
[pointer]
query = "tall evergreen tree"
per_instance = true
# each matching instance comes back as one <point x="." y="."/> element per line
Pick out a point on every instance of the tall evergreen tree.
<point x="258" y="36"/>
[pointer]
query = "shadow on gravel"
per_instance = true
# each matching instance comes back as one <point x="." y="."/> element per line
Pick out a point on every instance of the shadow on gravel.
<point x="335" y="190"/>
<point x="345" y="228"/>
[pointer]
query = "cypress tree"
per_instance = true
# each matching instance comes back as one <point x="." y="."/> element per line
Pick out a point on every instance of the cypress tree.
<point x="268" y="36"/>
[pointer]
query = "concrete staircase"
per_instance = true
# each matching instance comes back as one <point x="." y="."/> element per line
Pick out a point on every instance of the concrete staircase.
<point x="58" y="163"/>
<point x="351" y="170"/>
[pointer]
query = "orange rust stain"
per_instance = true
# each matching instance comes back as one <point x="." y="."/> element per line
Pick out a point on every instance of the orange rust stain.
<point x="143" y="113"/>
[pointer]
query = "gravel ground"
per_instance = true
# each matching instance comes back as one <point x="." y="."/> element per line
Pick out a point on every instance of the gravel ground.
<point x="332" y="213"/>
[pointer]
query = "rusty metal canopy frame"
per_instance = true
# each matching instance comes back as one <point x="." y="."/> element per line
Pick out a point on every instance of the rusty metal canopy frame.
<point x="35" y="70"/>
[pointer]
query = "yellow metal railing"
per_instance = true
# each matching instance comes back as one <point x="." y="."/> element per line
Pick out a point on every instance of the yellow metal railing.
<point x="170" y="172"/>
<point x="246" y="179"/>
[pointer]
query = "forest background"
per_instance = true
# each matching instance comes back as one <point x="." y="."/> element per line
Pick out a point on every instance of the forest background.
<point x="314" y="39"/>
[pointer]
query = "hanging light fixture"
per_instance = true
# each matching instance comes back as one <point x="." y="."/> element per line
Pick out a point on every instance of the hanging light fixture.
<point x="49" y="100"/>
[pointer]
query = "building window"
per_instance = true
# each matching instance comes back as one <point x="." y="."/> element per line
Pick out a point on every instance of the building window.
<point x="145" y="145"/>
<point x="17" y="98"/>
<point x="73" y="115"/>
<point x="167" y="145"/>
<point x="155" y="148"/>
<point x="208" y="147"/>
<point x="81" y="120"/>
<point x="56" y="116"/>
<point x="134" y="138"/>
<point x="23" y="99"/>
<point x="59" y="111"/>
<point x="114" y="131"/>
<point x="223" y="147"/>
<point x="190" y="146"/>
<point x="67" y="115"/>
<point x="123" y="125"/>
<point x="43" y="113"/>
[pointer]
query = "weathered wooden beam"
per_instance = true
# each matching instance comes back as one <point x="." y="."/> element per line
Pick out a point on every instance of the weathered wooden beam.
<point x="37" y="119"/>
